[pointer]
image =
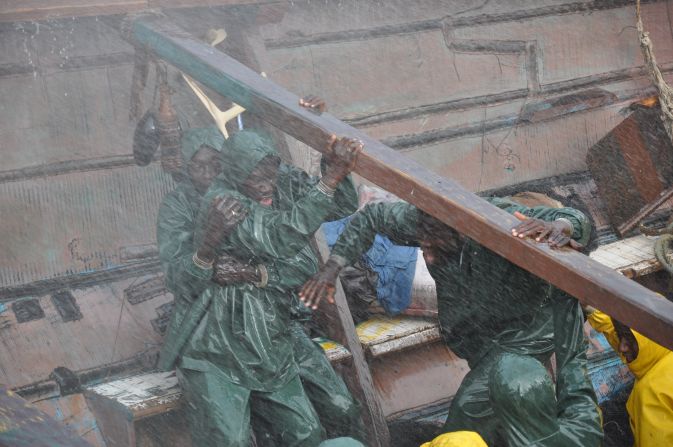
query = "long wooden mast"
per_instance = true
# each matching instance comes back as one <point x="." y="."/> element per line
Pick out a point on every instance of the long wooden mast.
<point x="589" y="281"/>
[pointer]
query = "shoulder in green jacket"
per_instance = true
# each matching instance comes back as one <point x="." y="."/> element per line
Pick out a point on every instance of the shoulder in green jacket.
<point x="175" y="238"/>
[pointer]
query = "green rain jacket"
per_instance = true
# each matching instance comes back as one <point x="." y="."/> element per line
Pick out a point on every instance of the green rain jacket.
<point x="176" y="223"/>
<point x="487" y="304"/>
<point x="242" y="331"/>
<point x="177" y="217"/>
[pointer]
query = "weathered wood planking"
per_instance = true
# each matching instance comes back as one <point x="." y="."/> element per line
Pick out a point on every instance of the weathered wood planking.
<point x="573" y="272"/>
<point x="631" y="257"/>
<point x="110" y="331"/>
<point x="143" y="395"/>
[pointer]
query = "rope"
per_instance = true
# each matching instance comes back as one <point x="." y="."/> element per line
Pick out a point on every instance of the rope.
<point x="664" y="90"/>
<point x="661" y="246"/>
<point x="665" y="240"/>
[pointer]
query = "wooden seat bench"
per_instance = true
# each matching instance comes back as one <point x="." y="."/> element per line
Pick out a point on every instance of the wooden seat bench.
<point x="382" y="335"/>
<point x="139" y="410"/>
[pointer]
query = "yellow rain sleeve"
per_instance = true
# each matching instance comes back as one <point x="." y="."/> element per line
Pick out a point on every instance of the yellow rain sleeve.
<point x="457" y="439"/>
<point x="650" y="405"/>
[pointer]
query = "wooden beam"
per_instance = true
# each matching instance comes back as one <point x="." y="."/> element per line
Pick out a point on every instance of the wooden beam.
<point x="359" y="381"/>
<point x="29" y="10"/>
<point x="573" y="272"/>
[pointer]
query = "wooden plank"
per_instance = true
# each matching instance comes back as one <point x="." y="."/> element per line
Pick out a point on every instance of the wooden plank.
<point x="573" y="272"/>
<point x="381" y="329"/>
<point x="622" y="254"/>
<point x="114" y="421"/>
<point x="410" y="341"/>
<point x="645" y="211"/>
<point x="29" y="10"/>
<point x="632" y="257"/>
<point x="638" y="159"/>
<point x="335" y="352"/>
<point x="144" y="395"/>
<point x="343" y="330"/>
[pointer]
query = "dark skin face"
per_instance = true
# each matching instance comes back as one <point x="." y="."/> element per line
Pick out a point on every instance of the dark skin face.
<point x="438" y="241"/>
<point x="628" y="345"/>
<point x="203" y="168"/>
<point x="261" y="183"/>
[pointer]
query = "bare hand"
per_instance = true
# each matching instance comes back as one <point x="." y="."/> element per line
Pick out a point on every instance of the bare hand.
<point x="322" y="285"/>
<point x="557" y="233"/>
<point x="224" y="215"/>
<point x="313" y="103"/>
<point x="341" y="154"/>
<point x="229" y="270"/>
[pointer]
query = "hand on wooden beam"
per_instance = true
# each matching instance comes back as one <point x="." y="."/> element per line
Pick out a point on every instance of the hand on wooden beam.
<point x="313" y="103"/>
<point x="342" y="155"/>
<point x="557" y="233"/>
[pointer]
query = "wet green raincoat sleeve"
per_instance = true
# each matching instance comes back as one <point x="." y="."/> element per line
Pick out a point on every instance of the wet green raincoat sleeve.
<point x="187" y="282"/>
<point x="267" y="233"/>
<point x="293" y="184"/>
<point x="289" y="274"/>
<point x="175" y="238"/>
<point x="398" y="221"/>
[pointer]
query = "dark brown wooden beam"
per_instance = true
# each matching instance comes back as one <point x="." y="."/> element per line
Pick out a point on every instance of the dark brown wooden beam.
<point x="573" y="272"/>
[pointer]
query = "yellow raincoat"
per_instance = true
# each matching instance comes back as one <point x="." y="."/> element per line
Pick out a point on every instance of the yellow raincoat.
<point x="457" y="439"/>
<point x="650" y="405"/>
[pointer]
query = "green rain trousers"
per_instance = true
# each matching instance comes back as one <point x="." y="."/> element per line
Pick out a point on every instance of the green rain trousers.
<point x="512" y="397"/>
<point x="501" y="318"/>
<point x="220" y="412"/>
<point x="339" y="413"/>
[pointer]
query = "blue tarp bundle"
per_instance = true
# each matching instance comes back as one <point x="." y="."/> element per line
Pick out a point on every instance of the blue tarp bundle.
<point x="394" y="264"/>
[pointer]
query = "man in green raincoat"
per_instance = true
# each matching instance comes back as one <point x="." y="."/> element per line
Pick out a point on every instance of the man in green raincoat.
<point x="503" y="320"/>
<point x="255" y="171"/>
<point x="231" y="342"/>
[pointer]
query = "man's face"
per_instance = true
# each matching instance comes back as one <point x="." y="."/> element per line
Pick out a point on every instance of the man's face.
<point x="261" y="182"/>
<point x="438" y="241"/>
<point x="203" y="168"/>
<point x="628" y="345"/>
